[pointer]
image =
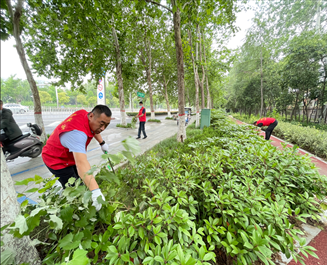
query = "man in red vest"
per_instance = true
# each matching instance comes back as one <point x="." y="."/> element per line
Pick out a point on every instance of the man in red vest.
<point x="270" y="122"/>
<point x="65" y="151"/>
<point x="142" y="118"/>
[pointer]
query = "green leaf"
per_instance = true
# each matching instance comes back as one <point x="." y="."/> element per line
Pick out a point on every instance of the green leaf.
<point x="133" y="145"/>
<point x="20" y="223"/>
<point x="79" y="258"/>
<point x="159" y="259"/>
<point x="141" y="232"/>
<point x="229" y="237"/>
<point x="112" y="249"/>
<point x="38" y="179"/>
<point x="248" y="245"/>
<point x="57" y="221"/>
<point x="32" y="190"/>
<point x="297" y="211"/>
<point x="147" y="260"/>
<point x="209" y="256"/>
<point x="125" y="257"/>
<point x="131" y="231"/>
<point x="24" y="182"/>
<point x="8" y="256"/>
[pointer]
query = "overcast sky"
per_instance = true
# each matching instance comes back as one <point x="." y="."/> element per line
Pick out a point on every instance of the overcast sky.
<point x="11" y="65"/>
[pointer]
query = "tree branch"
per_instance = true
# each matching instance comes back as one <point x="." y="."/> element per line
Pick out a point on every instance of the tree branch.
<point x="158" y="4"/>
<point x="10" y="10"/>
<point x="186" y="4"/>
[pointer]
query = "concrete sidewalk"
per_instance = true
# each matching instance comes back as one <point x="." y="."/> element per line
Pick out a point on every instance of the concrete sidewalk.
<point x="314" y="236"/>
<point x="156" y="132"/>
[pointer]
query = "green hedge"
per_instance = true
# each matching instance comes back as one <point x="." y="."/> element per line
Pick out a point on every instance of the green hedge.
<point x="149" y="113"/>
<point x="154" y="120"/>
<point x="318" y="126"/>
<point x="310" y="139"/>
<point x="224" y="196"/>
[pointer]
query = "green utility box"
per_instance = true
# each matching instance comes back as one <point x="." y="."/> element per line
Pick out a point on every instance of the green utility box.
<point x="205" y="118"/>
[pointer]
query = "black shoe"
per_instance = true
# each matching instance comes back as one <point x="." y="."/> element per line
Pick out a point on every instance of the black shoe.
<point x="138" y="137"/>
<point x="145" y="137"/>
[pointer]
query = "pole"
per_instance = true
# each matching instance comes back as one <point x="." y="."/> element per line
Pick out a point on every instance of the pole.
<point x="57" y="98"/>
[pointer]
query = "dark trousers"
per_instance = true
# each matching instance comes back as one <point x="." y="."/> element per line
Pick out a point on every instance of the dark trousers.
<point x="65" y="174"/>
<point x="270" y="129"/>
<point x="2" y="137"/>
<point x="141" y="128"/>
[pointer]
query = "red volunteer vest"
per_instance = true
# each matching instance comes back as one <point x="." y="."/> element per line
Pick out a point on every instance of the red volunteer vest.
<point x="143" y="118"/>
<point x="266" y="121"/>
<point x="54" y="154"/>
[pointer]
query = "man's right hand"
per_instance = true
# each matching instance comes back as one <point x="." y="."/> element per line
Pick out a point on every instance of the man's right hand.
<point x="95" y="194"/>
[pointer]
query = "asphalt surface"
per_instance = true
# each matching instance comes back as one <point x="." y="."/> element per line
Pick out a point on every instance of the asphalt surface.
<point x="53" y="119"/>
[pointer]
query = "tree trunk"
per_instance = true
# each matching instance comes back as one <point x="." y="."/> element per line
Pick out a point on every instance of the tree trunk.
<point x="209" y="106"/>
<point x="196" y="78"/>
<point x="15" y="17"/>
<point x="148" y="75"/>
<point x="166" y="96"/>
<point x="293" y="113"/>
<point x="323" y="91"/>
<point x="119" y="78"/>
<point x="188" y="96"/>
<point x="303" y="111"/>
<point x="22" y="248"/>
<point x="203" y="74"/>
<point x="147" y="67"/>
<point x="317" y="109"/>
<point x="181" y="135"/>
<point x="261" y="112"/>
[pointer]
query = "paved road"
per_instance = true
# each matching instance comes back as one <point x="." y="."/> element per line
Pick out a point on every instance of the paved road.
<point x="51" y="120"/>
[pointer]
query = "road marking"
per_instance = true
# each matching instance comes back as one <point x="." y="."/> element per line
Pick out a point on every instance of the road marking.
<point x="26" y="170"/>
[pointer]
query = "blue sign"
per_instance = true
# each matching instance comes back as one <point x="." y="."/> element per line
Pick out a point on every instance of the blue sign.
<point x="100" y="95"/>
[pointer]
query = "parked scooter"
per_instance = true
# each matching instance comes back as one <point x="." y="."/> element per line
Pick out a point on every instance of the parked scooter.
<point x="28" y="144"/>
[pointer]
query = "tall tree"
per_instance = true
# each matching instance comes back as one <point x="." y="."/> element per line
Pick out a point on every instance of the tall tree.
<point x="196" y="79"/>
<point x="14" y="14"/>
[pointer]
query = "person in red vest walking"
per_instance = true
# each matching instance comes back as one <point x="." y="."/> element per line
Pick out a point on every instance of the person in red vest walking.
<point x="270" y="122"/>
<point x="65" y="151"/>
<point x="142" y="118"/>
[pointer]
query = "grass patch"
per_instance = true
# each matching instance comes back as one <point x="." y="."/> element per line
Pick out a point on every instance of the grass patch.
<point x="169" y="118"/>
<point x="154" y="120"/>
<point x="128" y="125"/>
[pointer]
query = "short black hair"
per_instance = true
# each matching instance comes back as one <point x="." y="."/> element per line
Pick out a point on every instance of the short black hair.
<point x="141" y="102"/>
<point x="255" y="123"/>
<point x="1" y="102"/>
<point x="99" y="109"/>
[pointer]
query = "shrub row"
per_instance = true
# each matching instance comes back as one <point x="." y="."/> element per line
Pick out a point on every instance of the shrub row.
<point x="318" y="126"/>
<point x="154" y="120"/>
<point x="308" y="138"/>
<point x="223" y="196"/>
<point x="148" y="113"/>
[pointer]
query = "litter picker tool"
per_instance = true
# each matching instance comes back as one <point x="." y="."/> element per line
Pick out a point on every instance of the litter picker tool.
<point x="110" y="164"/>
